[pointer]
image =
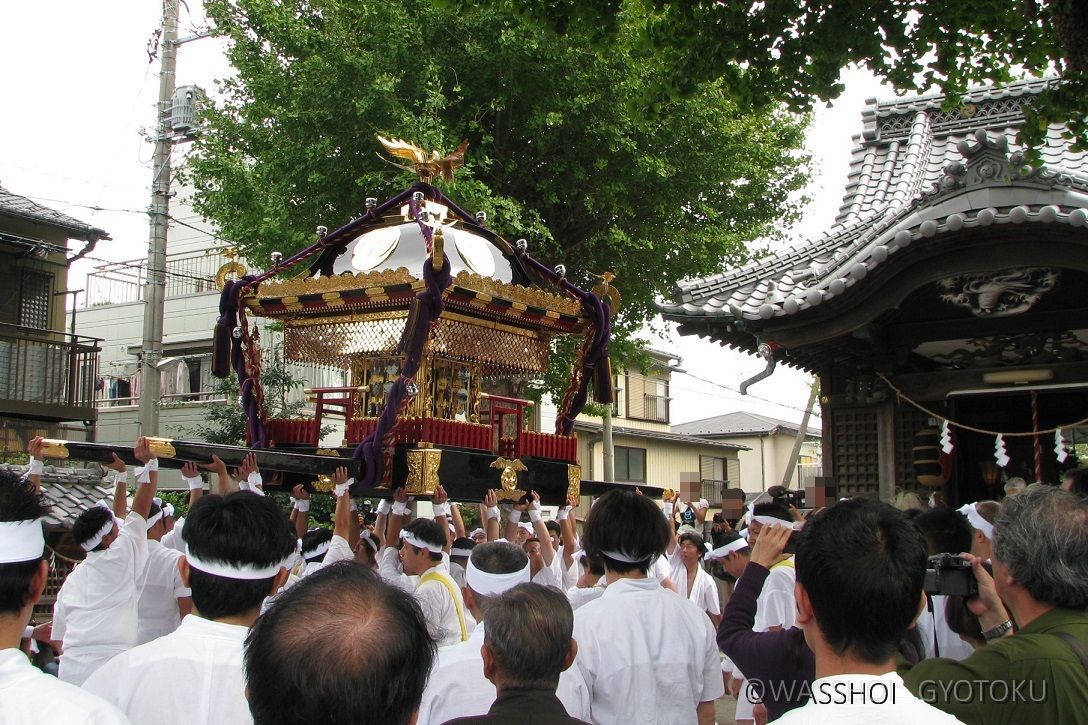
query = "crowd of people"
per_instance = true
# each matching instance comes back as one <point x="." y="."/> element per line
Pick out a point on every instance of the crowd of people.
<point x="241" y="612"/>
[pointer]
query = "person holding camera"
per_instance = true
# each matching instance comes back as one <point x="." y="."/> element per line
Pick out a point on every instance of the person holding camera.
<point x="860" y="565"/>
<point x="1040" y="571"/>
<point x="947" y="533"/>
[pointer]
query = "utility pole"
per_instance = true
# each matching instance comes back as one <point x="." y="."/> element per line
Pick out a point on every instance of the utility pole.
<point x="802" y="431"/>
<point x="159" y="211"/>
<point x="609" y="449"/>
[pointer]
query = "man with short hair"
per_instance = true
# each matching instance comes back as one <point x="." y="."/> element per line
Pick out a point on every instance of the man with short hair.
<point x="527" y="644"/>
<point x="460" y="550"/>
<point x="424" y="569"/>
<point x="457" y="686"/>
<point x="1040" y="674"/>
<point x="691" y="579"/>
<point x="96" y="614"/>
<point x="341" y="646"/>
<point x="860" y="566"/>
<point x="27" y="694"/>
<point x="236" y="549"/>
<point x="645" y="653"/>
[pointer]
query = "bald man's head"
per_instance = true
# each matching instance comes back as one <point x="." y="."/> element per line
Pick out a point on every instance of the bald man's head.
<point x="341" y="646"/>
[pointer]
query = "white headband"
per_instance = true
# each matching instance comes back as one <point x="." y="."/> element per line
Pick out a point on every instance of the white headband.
<point x="743" y="533"/>
<point x="94" y="541"/>
<point x="369" y="539"/>
<point x="723" y="551"/>
<point x="168" y="510"/>
<point x="489" y="584"/>
<point x="316" y="551"/>
<point x="975" y="519"/>
<point x="476" y="531"/>
<point x="772" y="521"/>
<point x="460" y="552"/>
<point x="21" y="541"/>
<point x="409" y="538"/>
<point x="626" y="558"/>
<point x="234" y="571"/>
<point x="154" y="520"/>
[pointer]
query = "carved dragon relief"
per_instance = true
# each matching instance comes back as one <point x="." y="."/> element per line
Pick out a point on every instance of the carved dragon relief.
<point x="1003" y="293"/>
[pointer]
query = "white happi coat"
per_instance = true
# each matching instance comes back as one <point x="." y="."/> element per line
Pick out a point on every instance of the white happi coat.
<point x="96" y="613"/>
<point x="162" y="586"/>
<point x="192" y="676"/>
<point x="28" y="695"/>
<point x="646" y="654"/>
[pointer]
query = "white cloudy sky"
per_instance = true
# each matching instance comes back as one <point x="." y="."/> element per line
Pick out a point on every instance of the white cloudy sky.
<point x="79" y="91"/>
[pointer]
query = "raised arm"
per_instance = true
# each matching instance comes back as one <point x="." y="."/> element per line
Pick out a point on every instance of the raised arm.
<point x="458" y="522"/>
<point x="147" y="477"/>
<point x="302" y="510"/>
<point x="342" y="520"/>
<point x="120" y="486"/>
<point x="566" y="530"/>
<point x="441" y="503"/>
<point x="191" y="475"/>
<point x="541" y="531"/>
<point x="397" y="518"/>
<point x="490" y="515"/>
<point x="249" y="475"/>
<point x="34" y="465"/>
<point x="223" y="481"/>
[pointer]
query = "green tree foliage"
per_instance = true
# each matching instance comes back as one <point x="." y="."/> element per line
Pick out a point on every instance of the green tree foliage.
<point x="562" y="150"/>
<point x="792" y="51"/>
<point x="225" y="422"/>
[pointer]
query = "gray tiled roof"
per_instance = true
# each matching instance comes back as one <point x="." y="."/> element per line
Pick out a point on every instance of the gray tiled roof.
<point x="19" y="206"/>
<point x="742" y="423"/>
<point x="916" y="171"/>
<point x="658" y="435"/>
<point x="69" y="491"/>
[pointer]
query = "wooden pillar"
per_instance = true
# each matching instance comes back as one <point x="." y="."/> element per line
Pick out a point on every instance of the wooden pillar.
<point x="885" y="452"/>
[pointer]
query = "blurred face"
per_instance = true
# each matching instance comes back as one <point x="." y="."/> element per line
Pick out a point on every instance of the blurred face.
<point x="753" y="532"/>
<point x="480" y="538"/>
<point x="523" y="535"/>
<point x="689" y="553"/>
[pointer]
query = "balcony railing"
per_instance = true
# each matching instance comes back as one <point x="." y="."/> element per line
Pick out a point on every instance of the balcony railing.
<point x="656" y="408"/>
<point x="47" y="374"/>
<point x="120" y="282"/>
<point x="712" y="491"/>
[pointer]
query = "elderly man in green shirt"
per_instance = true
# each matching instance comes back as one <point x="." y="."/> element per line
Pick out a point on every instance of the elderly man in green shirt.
<point x="1039" y="674"/>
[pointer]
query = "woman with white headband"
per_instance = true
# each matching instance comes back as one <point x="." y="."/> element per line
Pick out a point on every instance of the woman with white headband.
<point x="96" y="613"/>
<point x="981" y="517"/>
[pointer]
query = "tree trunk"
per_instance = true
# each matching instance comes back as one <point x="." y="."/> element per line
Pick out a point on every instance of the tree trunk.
<point x="1070" y="18"/>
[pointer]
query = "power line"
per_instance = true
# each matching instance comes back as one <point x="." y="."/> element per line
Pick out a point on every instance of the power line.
<point x="736" y="391"/>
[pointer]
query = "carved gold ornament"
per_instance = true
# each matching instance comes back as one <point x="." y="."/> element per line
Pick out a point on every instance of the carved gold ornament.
<point x="530" y="296"/>
<point x="230" y="270"/>
<point x="574" y="480"/>
<point x="427" y="166"/>
<point x="335" y="283"/>
<point x="509" y="490"/>
<point x="423" y="464"/>
<point x="161" y="447"/>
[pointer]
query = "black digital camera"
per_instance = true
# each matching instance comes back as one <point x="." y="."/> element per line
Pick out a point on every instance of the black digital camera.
<point x="787" y="497"/>
<point x="950" y="575"/>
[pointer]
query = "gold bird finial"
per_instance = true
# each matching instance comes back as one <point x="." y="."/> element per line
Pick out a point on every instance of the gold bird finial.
<point x="427" y="166"/>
